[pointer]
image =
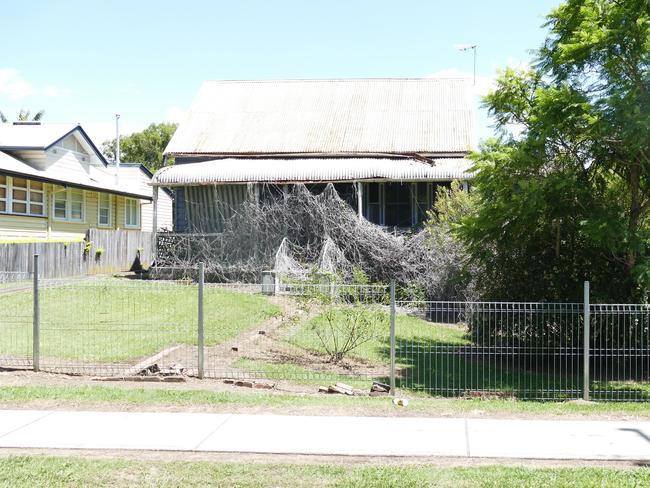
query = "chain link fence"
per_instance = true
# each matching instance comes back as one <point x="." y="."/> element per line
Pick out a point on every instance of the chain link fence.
<point x="313" y="334"/>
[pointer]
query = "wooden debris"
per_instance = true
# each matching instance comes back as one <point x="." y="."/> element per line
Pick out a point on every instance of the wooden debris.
<point x="263" y="385"/>
<point x="246" y="384"/>
<point x="341" y="389"/>
<point x="262" y="332"/>
<point x="144" y="379"/>
<point x="322" y="389"/>
<point x="144" y="366"/>
<point x="379" y="388"/>
<point x="234" y="349"/>
<point x="229" y="381"/>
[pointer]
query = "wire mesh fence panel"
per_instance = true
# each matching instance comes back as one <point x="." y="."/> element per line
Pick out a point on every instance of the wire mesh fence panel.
<point x="620" y="352"/>
<point x="305" y="334"/>
<point x="15" y="280"/>
<point x="480" y="349"/>
<point x="16" y="313"/>
<point x="116" y="327"/>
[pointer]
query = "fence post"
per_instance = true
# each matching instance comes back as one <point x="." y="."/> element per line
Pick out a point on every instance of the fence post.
<point x="201" y="331"/>
<point x="36" y="321"/>
<point x="392" y="337"/>
<point x="587" y="336"/>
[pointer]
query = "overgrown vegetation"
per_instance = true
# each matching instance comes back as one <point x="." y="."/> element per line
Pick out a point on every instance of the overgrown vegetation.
<point x="563" y="194"/>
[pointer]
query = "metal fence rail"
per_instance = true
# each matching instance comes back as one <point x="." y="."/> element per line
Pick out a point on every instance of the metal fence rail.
<point x="504" y="349"/>
<point x="312" y="334"/>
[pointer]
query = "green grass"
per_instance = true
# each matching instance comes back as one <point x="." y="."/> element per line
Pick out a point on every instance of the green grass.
<point x="298" y="374"/>
<point x="28" y="471"/>
<point x="113" y="320"/>
<point x="409" y="328"/>
<point x="430" y="357"/>
<point x="152" y="398"/>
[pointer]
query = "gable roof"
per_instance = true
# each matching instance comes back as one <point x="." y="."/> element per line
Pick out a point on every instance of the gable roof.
<point x="104" y="180"/>
<point x="39" y="136"/>
<point x="354" y="116"/>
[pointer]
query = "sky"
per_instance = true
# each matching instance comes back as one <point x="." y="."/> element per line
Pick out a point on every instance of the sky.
<point x="85" y="61"/>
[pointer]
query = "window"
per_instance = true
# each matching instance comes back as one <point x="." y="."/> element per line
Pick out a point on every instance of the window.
<point x="22" y="197"/>
<point x="104" y="217"/>
<point x="131" y="212"/>
<point x="373" y="193"/>
<point x="398" y="205"/>
<point x="69" y="204"/>
<point x="3" y="193"/>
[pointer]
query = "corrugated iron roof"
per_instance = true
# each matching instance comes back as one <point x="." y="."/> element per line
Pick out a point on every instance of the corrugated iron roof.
<point x="393" y="116"/>
<point x="224" y="171"/>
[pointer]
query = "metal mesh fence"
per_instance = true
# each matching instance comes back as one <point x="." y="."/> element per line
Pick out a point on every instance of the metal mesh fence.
<point x="308" y="335"/>
<point x="620" y="352"/>
<point x="302" y="335"/>
<point x="477" y="349"/>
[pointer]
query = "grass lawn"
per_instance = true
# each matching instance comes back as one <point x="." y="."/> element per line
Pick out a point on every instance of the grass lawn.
<point x="116" y="320"/>
<point x="26" y="471"/>
<point x="437" y="358"/>
<point x="153" y="398"/>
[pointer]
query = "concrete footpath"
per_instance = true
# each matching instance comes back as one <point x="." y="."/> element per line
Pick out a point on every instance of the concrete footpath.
<point x="361" y="436"/>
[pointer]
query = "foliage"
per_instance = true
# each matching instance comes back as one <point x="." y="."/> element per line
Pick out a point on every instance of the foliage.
<point x="144" y="147"/>
<point x="564" y="192"/>
<point x="24" y="116"/>
<point x="446" y="256"/>
<point x="343" y="329"/>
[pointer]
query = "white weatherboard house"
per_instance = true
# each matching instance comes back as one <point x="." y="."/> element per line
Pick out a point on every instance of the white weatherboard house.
<point x="56" y="185"/>
<point x="384" y="143"/>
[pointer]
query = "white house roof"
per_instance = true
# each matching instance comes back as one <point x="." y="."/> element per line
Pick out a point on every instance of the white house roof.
<point x="101" y="179"/>
<point x="311" y="170"/>
<point x="32" y="136"/>
<point x="355" y="116"/>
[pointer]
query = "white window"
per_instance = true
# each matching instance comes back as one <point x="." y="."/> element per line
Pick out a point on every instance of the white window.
<point x="70" y="205"/>
<point x="22" y="197"/>
<point x="104" y="214"/>
<point x="131" y="212"/>
<point x="3" y="193"/>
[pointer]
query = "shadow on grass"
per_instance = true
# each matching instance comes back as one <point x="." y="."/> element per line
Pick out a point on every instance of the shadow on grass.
<point x="522" y="372"/>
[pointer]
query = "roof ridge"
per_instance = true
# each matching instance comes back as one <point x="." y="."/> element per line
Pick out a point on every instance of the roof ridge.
<point x="320" y="80"/>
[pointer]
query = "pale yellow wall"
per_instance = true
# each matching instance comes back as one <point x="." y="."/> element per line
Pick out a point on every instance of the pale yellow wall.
<point x="21" y="227"/>
<point x="24" y="227"/>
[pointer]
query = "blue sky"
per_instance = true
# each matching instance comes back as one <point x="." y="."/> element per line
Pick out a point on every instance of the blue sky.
<point x="85" y="61"/>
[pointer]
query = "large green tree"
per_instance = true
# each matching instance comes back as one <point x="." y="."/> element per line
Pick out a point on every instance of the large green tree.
<point x="144" y="147"/>
<point x="564" y="192"/>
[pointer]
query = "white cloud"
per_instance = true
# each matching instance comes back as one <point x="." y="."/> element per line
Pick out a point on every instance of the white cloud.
<point x="174" y="114"/>
<point x="14" y="86"/>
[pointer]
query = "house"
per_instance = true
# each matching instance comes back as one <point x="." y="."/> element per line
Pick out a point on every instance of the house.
<point x="56" y="185"/>
<point x="385" y="144"/>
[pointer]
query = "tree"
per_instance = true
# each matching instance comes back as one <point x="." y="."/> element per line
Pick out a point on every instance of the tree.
<point x="566" y="196"/>
<point x="24" y="115"/>
<point x="144" y="147"/>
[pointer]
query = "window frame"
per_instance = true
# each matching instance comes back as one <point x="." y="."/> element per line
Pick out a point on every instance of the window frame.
<point x="6" y="198"/>
<point x="99" y="209"/>
<point x="9" y="199"/>
<point x="131" y="201"/>
<point x="68" y="205"/>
